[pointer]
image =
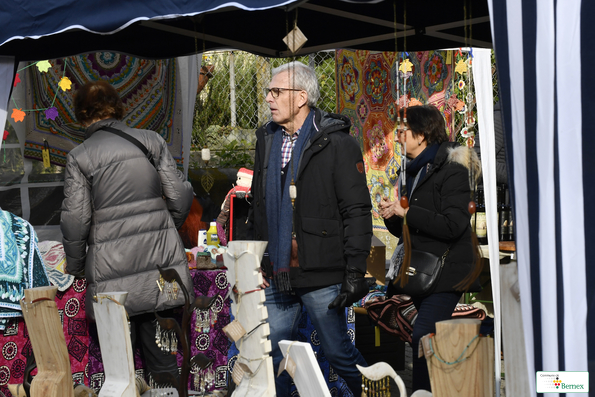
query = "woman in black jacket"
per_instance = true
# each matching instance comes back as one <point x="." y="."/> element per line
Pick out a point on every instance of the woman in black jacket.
<point x="439" y="178"/>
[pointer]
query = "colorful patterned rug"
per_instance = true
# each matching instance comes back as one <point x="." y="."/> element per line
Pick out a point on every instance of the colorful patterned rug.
<point x="367" y="90"/>
<point x="149" y="89"/>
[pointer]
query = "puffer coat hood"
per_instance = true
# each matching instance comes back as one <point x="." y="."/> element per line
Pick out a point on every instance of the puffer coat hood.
<point x="120" y="216"/>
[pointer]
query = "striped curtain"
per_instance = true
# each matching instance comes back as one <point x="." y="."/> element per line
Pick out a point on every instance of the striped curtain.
<point x="545" y="58"/>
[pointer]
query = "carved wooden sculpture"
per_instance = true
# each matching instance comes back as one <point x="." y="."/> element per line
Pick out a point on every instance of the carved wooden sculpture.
<point x="54" y="378"/>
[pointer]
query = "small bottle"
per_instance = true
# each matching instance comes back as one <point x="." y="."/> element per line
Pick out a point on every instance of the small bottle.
<point x="481" y="229"/>
<point x="505" y="219"/>
<point x="202" y="237"/>
<point x="212" y="237"/>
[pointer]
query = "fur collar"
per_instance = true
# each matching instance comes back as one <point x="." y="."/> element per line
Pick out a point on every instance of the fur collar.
<point x="467" y="157"/>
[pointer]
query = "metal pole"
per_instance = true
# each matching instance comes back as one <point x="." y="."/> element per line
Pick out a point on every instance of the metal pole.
<point x="232" y="88"/>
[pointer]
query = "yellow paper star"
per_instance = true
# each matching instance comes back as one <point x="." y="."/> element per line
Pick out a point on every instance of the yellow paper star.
<point x="65" y="83"/>
<point x="43" y="66"/>
<point x="406" y="66"/>
<point x="17" y="115"/>
<point x="461" y="66"/>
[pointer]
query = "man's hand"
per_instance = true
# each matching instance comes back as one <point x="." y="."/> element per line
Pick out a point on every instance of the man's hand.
<point x="265" y="282"/>
<point x="353" y="289"/>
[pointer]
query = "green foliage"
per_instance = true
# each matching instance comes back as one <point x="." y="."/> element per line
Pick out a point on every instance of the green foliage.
<point x="235" y="155"/>
<point x="212" y="125"/>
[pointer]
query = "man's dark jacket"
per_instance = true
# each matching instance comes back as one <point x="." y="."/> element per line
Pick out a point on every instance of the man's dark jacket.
<point x="333" y="220"/>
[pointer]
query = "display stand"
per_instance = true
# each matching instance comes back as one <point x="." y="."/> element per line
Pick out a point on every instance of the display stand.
<point x="377" y="373"/>
<point x="116" y="349"/>
<point x="307" y="377"/>
<point x="460" y="361"/>
<point x="199" y="361"/>
<point x="54" y="378"/>
<point x="253" y="370"/>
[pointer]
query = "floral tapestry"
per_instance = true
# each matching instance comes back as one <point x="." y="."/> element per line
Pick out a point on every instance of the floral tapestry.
<point x="367" y="89"/>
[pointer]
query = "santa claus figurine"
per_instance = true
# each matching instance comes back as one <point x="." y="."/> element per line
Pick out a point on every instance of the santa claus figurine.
<point x="240" y="190"/>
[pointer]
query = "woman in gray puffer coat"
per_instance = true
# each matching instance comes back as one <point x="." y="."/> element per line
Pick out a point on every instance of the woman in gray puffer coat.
<point x="121" y="213"/>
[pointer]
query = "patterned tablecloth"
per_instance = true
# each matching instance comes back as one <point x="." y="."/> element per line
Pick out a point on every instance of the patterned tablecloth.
<point x="16" y="346"/>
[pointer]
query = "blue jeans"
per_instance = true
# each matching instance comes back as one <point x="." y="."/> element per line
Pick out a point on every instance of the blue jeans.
<point x="331" y="327"/>
<point x="431" y="309"/>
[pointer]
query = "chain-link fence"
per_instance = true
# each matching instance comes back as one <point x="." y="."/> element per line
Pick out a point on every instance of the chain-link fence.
<point x="232" y="104"/>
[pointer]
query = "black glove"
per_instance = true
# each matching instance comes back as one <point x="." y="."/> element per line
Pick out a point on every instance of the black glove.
<point x="354" y="287"/>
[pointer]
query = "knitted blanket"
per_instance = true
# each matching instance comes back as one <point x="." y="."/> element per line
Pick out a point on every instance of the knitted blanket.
<point x="21" y="266"/>
<point x="149" y="90"/>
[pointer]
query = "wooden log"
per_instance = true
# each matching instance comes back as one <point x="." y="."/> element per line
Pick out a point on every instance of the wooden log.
<point x="115" y="345"/>
<point x="54" y="378"/>
<point x="513" y="337"/>
<point x="462" y="363"/>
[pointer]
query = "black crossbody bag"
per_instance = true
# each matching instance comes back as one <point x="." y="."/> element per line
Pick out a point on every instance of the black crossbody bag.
<point x="132" y="140"/>
<point x="424" y="273"/>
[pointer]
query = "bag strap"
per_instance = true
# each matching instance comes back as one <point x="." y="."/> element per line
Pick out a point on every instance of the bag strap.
<point x="132" y="140"/>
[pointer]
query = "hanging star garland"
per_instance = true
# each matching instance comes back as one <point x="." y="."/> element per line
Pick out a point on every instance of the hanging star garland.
<point x="65" y="83"/>
<point x="44" y="66"/>
<point x="51" y="113"/>
<point x="17" y="115"/>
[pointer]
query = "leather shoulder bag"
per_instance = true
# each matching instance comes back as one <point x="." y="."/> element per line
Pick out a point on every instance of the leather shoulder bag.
<point x="424" y="273"/>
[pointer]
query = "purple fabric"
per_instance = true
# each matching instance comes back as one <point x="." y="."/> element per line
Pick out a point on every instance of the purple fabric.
<point x="213" y="344"/>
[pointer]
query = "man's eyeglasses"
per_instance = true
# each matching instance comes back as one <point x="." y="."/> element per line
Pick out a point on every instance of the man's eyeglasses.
<point x="275" y="91"/>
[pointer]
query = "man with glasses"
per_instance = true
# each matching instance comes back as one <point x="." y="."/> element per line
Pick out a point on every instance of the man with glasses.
<point x="311" y="203"/>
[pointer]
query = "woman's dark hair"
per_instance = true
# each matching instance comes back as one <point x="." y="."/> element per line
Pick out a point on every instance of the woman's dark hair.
<point x="426" y="120"/>
<point x="97" y="100"/>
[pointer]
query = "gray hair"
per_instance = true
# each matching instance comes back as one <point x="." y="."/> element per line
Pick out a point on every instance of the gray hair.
<point x="304" y="78"/>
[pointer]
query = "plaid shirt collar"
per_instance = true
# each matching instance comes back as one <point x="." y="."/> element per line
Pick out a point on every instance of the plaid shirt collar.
<point x="288" y="146"/>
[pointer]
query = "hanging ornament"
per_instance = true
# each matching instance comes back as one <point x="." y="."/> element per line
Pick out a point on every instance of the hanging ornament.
<point x="203" y="378"/>
<point x="406" y="68"/>
<point x="43" y="66"/>
<point x="169" y="288"/>
<point x="51" y="113"/>
<point x="461" y="66"/>
<point x="18" y="115"/>
<point x="166" y="339"/>
<point x="65" y="84"/>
